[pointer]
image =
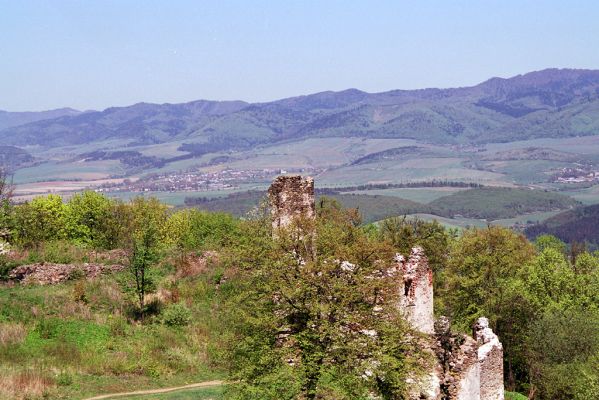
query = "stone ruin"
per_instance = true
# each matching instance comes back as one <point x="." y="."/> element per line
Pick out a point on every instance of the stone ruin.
<point x="291" y="198"/>
<point x="417" y="298"/>
<point x="464" y="367"/>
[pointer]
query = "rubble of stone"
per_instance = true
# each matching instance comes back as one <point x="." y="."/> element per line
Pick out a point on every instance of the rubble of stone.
<point x="291" y="198"/>
<point x="50" y="273"/>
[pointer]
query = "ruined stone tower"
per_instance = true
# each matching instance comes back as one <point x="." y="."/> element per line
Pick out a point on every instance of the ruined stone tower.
<point x="417" y="292"/>
<point x="291" y="198"/>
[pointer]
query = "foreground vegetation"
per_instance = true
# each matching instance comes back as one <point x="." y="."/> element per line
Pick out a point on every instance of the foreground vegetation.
<point x="195" y="302"/>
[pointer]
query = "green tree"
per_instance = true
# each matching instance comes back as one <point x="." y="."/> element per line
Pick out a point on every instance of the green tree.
<point x="407" y="232"/>
<point x="562" y="341"/>
<point x="544" y="241"/>
<point x="6" y="206"/>
<point x="146" y="243"/>
<point x="404" y="233"/>
<point x="199" y="230"/>
<point x="483" y="280"/>
<point x="39" y="220"/>
<point x="89" y="216"/>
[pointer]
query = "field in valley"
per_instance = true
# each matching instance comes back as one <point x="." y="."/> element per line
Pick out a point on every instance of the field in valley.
<point x="335" y="162"/>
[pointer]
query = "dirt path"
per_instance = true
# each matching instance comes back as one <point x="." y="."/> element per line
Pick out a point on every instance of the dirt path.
<point x="157" y="391"/>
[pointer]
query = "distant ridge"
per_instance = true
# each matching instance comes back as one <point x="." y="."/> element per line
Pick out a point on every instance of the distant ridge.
<point x="549" y="103"/>
<point x="9" y="119"/>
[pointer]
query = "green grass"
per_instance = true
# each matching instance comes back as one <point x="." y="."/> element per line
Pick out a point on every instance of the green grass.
<point x="524" y="172"/>
<point x="515" y="396"/>
<point x="419" y="195"/>
<point x="578" y="145"/>
<point x="459" y="223"/>
<point x="409" y="170"/>
<point x="68" y="171"/>
<point x="333" y="151"/>
<point x="376" y="208"/>
<point x="526" y="218"/>
<point x="372" y="208"/>
<point x="178" y="198"/>
<point x="586" y="196"/>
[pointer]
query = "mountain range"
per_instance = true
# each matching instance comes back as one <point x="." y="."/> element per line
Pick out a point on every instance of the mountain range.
<point x="548" y="103"/>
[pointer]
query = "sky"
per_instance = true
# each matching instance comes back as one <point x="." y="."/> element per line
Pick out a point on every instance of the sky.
<point x="94" y="54"/>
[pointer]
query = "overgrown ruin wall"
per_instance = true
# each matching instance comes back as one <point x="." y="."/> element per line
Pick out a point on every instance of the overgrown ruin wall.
<point x="464" y="367"/>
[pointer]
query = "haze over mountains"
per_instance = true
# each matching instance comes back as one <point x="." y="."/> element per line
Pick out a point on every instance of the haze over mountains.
<point x="552" y="103"/>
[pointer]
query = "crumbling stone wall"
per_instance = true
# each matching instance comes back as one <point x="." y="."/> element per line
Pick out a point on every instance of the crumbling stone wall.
<point x="417" y="290"/>
<point x="467" y="368"/>
<point x="291" y="198"/>
<point x="490" y="358"/>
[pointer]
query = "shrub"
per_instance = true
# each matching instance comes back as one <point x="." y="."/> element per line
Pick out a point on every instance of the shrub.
<point x="79" y="294"/>
<point x="515" y="396"/>
<point x="6" y="265"/>
<point x="62" y="252"/>
<point x="77" y="274"/>
<point x="176" y="315"/>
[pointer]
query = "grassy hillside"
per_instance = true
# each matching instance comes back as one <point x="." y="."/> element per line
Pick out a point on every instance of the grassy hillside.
<point x="73" y="340"/>
<point x="377" y="207"/>
<point x="372" y="208"/>
<point x="12" y="157"/>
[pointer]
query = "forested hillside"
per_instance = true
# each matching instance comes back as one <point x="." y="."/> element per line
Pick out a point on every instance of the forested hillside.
<point x="579" y="225"/>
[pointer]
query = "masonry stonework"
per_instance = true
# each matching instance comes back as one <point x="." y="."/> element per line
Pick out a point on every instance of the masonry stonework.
<point x="291" y="198"/>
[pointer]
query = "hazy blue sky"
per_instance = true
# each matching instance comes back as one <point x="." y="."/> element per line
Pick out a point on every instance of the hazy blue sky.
<point x="96" y="54"/>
